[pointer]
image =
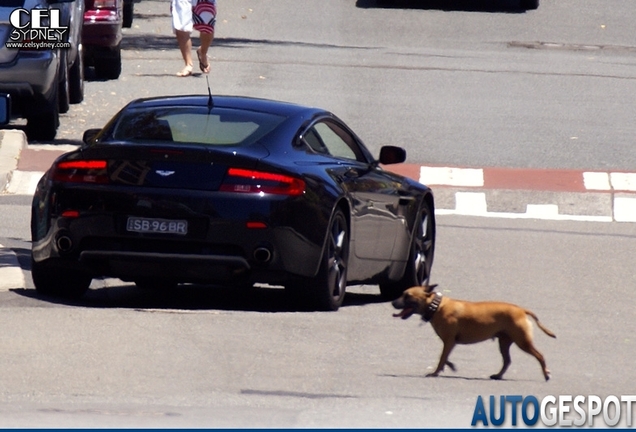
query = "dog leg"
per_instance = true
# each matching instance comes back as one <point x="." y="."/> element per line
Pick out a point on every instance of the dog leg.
<point x="504" y="348"/>
<point x="443" y="360"/>
<point x="528" y="347"/>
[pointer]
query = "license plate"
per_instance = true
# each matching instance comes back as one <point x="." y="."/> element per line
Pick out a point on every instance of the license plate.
<point x="162" y="226"/>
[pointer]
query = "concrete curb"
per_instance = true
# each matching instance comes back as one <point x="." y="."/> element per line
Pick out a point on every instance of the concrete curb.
<point x="11" y="276"/>
<point x="12" y="142"/>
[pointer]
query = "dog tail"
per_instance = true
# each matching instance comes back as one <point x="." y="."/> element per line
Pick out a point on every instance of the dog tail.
<point x="545" y="330"/>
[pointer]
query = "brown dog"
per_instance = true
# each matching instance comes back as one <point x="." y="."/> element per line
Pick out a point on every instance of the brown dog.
<point x="462" y="322"/>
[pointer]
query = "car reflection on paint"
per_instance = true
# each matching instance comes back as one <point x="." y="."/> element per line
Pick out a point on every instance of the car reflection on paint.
<point x="230" y="190"/>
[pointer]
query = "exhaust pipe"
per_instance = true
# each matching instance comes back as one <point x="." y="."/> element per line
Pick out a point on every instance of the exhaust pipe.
<point x="262" y="254"/>
<point x="64" y="243"/>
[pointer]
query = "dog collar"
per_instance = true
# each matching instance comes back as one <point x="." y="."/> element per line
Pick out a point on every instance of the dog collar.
<point x="432" y="308"/>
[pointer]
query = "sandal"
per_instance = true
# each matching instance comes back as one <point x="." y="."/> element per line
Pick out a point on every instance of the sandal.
<point x="186" y="71"/>
<point x="205" y="67"/>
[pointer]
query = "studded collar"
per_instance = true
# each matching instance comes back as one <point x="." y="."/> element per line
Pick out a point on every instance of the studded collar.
<point x="432" y="307"/>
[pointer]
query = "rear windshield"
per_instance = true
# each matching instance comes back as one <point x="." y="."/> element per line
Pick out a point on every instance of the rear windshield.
<point x="219" y="127"/>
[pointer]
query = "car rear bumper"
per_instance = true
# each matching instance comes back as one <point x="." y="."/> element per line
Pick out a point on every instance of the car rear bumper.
<point x="30" y="79"/>
<point x="188" y="267"/>
<point x="219" y="246"/>
<point x="102" y="28"/>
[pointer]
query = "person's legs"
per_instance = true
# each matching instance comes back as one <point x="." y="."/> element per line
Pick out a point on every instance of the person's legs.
<point x="202" y="51"/>
<point x="185" y="46"/>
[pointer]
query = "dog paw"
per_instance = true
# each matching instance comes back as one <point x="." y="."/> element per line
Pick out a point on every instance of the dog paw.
<point x="432" y="375"/>
<point x="495" y="377"/>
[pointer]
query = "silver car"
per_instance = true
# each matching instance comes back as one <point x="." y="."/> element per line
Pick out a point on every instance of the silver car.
<point x="41" y="64"/>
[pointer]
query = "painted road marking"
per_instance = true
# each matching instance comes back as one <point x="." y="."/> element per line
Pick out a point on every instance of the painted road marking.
<point x="24" y="182"/>
<point x="625" y="209"/>
<point x="448" y="176"/>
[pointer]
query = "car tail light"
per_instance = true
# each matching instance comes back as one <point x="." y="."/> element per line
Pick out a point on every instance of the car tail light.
<point x="81" y="171"/>
<point x="250" y="181"/>
<point x="70" y="214"/>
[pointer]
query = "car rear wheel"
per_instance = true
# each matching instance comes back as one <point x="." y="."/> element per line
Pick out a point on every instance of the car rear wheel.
<point x="420" y="263"/>
<point x="63" y="90"/>
<point x="43" y="125"/>
<point x="129" y="9"/>
<point x="326" y="291"/>
<point x="108" y="65"/>
<point x="76" y="78"/>
<point x="58" y="282"/>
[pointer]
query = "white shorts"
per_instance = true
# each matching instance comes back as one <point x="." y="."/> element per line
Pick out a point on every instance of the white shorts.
<point x="181" y="15"/>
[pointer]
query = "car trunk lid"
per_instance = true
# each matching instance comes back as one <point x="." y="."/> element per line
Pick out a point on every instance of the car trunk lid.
<point x="160" y="166"/>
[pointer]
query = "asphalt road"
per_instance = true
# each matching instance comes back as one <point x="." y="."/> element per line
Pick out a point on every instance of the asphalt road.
<point x="464" y="85"/>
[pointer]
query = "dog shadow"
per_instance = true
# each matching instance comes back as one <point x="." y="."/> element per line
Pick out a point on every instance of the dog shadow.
<point x="452" y="377"/>
<point x="459" y="377"/>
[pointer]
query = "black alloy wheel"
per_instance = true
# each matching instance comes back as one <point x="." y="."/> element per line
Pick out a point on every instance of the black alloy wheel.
<point x="331" y="283"/>
<point x="326" y="291"/>
<point x="418" y="268"/>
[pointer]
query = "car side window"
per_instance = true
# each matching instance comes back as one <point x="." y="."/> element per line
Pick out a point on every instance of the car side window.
<point x="314" y="142"/>
<point x="338" y="142"/>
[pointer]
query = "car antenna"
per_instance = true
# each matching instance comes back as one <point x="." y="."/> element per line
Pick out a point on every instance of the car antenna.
<point x="210" y="101"/>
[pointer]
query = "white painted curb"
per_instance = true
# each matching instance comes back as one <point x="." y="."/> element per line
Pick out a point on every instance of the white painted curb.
<point x="11" y="276"/>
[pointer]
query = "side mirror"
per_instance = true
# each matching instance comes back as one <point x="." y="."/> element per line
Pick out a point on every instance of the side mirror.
<point x="392" y="155"/>
<point x="89" y="135"/>
<point x="5" y="109"/>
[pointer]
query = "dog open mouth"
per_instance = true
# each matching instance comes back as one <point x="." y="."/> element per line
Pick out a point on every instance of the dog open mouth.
<point x="405" y="313"/>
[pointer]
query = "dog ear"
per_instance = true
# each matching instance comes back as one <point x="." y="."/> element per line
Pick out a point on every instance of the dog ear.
<point x="430" y="288"/>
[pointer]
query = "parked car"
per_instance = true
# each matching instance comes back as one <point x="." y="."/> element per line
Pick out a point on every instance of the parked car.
<point x="102" y="36"/>
<point x="230" y="190"/>
<point x="42" y="82"/>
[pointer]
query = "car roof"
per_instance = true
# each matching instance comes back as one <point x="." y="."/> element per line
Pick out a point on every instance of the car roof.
<point x="286" y="109"/>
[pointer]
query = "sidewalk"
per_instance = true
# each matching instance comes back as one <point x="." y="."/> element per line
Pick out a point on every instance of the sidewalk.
<point x="12" y="142"/>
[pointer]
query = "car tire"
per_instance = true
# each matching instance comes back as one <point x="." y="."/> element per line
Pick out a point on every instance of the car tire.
<point x="76" y="78"/>
<point x="326" y="291"/>
<point x="108" y="66"/>
<point x="56" y="282"/>
<point x="43" y="126"/>
<point x="420" y="262"/>
<point x="529" y="4"/>
<point x="63" y="89"/>
<point x="129" y="10"/>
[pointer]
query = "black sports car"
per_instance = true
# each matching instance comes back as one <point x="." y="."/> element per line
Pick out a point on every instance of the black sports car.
<point x="230" y="190"/>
